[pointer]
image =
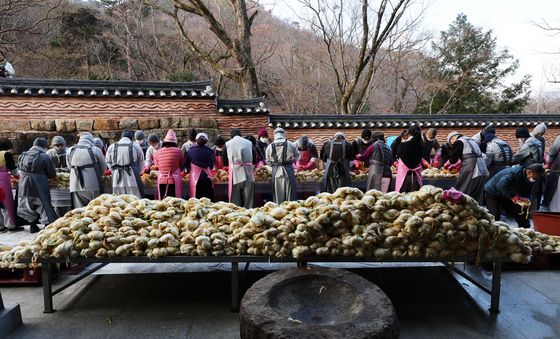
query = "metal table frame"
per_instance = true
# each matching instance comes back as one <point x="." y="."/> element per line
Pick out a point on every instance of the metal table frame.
<point x="48" y="293"/>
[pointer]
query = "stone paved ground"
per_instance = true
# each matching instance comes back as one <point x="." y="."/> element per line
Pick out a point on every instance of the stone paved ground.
<point x="429" y="304"/>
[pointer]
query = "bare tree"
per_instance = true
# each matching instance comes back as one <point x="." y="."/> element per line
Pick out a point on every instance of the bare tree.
<point x="553" y="31"/>
<point x="24" y="16"/>
<point x="354" y="34"/>
<point x="235" y="58"/>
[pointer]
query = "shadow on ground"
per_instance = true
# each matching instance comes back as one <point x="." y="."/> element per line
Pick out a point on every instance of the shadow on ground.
<point x="428" y="301"/>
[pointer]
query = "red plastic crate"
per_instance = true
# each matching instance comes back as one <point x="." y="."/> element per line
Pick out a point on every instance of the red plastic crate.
<point x="547" y="222"/>
<point x="21" y="276"/>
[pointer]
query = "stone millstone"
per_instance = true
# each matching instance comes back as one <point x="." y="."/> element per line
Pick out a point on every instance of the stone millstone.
<point x="316" y="303"/>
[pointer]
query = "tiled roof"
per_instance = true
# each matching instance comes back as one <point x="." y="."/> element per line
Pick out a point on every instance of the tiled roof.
<point x="105" y="88"/>
<point x="253" y="106"/>
<point x="405" y="120"/>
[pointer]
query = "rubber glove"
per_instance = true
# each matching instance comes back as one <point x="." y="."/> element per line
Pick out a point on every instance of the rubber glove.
<point x="425" y="163"/>
<point x="456" y="165"/>
<point x="309" y="166"/>
<point x="436" y="160"/>
<point x="447" y="165"/>
<point x="517" y="199"/>
<point x="107" y="172"/>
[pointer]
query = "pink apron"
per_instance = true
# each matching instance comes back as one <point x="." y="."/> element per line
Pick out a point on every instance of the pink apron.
<point x="164" y="178"/>
<point x="6" y="186"/>
<point x="304" y="159"/>
<point x="194" y="176"/>
<point x="402" y="171"/>
<point x="219" y="162"/>
<point x="230" y="175"/>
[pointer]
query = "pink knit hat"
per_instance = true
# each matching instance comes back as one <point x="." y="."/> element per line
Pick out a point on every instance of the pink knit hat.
<point x="170" y="137"/>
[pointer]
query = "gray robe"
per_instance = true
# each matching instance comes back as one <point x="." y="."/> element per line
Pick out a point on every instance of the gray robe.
<point x="379" y="165"/>
<point x="34" y="197"/>
<point x="529" y="153"/>
<point x="87" y="165"/>
<point x="281" y="155"/>
<point x="126" y="160"/>
<point x="498" y="156"/>
<point x="473" y="170"/>
<point x="337" y="171"/>
<point x="551" y="198"/>
<point x="240" y="158"/>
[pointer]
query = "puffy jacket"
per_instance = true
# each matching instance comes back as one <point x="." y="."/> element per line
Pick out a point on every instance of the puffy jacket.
<point x="509" y="182"/>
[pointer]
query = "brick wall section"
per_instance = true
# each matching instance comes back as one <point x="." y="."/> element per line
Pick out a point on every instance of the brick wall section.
<point x="249" y="124"/>
<point x="19" y="114"/>
<point x="22" y="119"/>
<point x="321" y="135"/>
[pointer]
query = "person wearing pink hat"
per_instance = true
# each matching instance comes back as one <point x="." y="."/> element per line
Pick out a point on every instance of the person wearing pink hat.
<point x="169" y="159"/>
<point x="200" y="162"/>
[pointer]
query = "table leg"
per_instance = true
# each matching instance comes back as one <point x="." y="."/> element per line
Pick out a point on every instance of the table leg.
<point x="46" y="270"/>
<point x="496" y="285"/>
<point x="235" y="287"/>
<point x="302" y="264"/>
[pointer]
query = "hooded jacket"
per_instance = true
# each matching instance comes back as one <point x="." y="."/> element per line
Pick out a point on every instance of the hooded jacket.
<point x="538" y="133"/>
<point x="509" y="182"/>
<point x="34" y="162"/>
<point x="85" y="160"/>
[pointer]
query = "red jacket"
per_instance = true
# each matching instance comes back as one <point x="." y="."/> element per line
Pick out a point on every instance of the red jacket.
<point x="169" y="159"/>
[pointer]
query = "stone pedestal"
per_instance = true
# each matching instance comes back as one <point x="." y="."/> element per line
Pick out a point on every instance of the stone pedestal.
<point x="316" y="303"/>
<point x="10" y="318"/>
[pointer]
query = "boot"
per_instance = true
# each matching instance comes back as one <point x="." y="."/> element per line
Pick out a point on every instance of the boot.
<point x="33" y="228"/>
<point x="15" y="229"/>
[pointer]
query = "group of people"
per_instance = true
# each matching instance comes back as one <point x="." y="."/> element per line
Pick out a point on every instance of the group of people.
<point x="489" y="170"/>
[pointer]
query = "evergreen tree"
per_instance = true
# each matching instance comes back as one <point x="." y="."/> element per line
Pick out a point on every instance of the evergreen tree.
<point x="466" y="72"/>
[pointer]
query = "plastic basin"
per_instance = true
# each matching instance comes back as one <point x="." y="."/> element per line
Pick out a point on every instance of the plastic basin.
<point x="547" y="222"/>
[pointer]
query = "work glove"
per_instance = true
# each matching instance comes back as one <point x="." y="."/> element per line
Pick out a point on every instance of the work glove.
<point x="107" y="172"/>
<point x="309" y="166"/>
<point x="456" y="165"/>
<point x="519" y="200"/>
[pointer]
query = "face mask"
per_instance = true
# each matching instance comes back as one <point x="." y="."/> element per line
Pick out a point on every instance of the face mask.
<point x="520" y="140"/>
<point x="219" y="148"/>
<point x="263" y="139"/>
<point x="532" y="180"/>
